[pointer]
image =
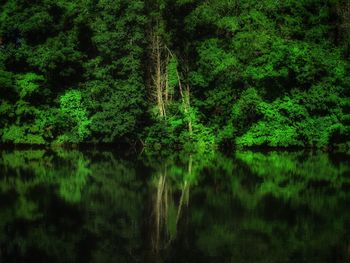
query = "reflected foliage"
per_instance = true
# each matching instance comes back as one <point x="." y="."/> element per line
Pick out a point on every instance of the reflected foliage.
<point x="102" y="206"/>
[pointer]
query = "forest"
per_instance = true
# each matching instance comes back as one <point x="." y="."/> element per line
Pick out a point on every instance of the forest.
<point x="176" y="74"/>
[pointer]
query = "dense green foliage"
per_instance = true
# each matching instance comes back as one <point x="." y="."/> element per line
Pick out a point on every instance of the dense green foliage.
<point x="184" y="73"/>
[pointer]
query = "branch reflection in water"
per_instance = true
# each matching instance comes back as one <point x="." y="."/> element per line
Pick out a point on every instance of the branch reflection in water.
<point x="103" y="206"/>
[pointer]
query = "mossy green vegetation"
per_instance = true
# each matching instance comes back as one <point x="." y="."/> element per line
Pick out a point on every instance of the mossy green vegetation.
<point x="188" y="74"/>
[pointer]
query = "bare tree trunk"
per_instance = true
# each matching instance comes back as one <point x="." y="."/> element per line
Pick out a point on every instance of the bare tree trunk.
<point x="185" y="97"/>
<point x="166" y="77"/>
<point x="161" y="56"/>
<point x="158" y="82"/>
<point x="190" y="129"/>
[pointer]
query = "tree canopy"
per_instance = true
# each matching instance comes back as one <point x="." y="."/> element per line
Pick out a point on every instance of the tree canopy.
<point x="185" y="73"/>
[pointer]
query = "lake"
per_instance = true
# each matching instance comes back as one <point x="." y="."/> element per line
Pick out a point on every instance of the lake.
<point x="102" y="206"/>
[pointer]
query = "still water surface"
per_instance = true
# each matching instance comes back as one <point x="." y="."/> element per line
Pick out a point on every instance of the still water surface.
<point x="103" y="206"/>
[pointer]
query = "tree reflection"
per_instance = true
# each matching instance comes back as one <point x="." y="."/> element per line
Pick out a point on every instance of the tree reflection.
<point x="101" y="206"/>
<point x="169" y="180"/>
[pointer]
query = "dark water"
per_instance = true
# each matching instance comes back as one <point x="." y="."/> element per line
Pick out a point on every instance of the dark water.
<point x="100" y="206"/>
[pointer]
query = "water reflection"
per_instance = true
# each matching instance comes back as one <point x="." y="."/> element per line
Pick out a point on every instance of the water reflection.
<point x="168" y="181"/>
<point x="102" y="206"/>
